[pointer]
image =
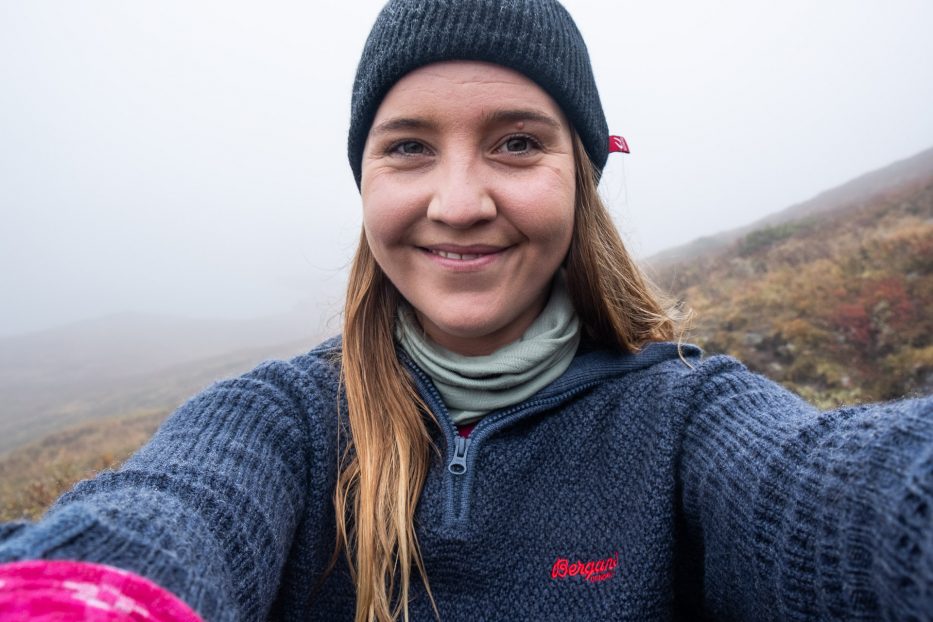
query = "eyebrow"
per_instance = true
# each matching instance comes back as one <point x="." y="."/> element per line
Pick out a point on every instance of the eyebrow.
<point x="401" y="123"/>
<point x="514" y="116"/>
<point x="497" y="117"/>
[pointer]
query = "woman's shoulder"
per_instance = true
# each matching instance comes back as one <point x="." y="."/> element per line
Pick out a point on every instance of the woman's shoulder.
<point x="323" y="359"/>
<point x="677" y="362"/>
<point x="649" y="356"/>
<point x="327" y="350"/>
<point x="298" y="386"/>
<point x="319" y="366"/>
<point x="690" y="366"/>
<point x="680" y="373"/>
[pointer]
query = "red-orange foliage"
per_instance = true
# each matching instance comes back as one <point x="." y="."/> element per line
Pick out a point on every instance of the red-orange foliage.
<point x="837" y="307"/>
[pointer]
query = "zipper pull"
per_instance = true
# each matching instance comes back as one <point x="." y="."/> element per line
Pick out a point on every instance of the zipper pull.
<point x="458" y="466"/>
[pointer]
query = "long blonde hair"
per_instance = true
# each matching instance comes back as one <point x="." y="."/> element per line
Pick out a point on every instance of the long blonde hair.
<point x="384" y="471"/>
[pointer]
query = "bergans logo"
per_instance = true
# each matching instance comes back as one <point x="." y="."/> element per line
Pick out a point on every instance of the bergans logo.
<point x="592" y="571"/>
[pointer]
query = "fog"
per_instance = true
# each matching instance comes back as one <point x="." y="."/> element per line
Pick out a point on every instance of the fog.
<point x="188" y="158"/>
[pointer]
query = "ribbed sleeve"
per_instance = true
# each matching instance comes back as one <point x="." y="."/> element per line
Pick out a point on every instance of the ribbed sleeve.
<point x="803" y="515"/>
<point x="206" y="509"/>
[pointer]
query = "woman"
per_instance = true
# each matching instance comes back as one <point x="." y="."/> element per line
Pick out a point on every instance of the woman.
<point x="505" y="429"/>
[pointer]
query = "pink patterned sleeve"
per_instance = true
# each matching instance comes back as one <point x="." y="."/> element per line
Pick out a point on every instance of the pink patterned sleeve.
<point x="47" y="591"/>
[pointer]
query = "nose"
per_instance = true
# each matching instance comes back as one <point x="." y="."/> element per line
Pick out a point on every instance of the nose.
<point x="461" y="197"/>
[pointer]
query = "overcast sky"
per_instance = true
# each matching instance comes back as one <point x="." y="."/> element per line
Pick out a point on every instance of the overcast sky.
<point x="188" y="157"/>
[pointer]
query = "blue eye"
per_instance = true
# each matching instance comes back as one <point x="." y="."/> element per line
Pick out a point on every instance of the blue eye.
<point x="408" y="148"/>
<point x="518" y="143"/>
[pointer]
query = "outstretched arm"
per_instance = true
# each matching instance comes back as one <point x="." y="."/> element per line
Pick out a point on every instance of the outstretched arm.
<point x="797" y="514"/>
<point x="206" y="509"/>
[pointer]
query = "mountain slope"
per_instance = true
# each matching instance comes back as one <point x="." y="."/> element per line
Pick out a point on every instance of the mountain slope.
<point x="111" y="366"/>
<point x="837" y="305"/>
<point x="860" y="191"/>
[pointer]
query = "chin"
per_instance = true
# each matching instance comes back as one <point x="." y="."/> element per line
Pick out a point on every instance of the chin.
<point x="463" y="328"/>
<point x="471" y="336"/>
<point x="475" y="323"/>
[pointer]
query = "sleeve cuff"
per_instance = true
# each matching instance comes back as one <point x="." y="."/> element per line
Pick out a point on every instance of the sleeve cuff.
<point x="44" y="590"/>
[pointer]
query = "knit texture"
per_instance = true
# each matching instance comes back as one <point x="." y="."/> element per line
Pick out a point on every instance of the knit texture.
<point x="537" y="38"/>
<point x="471" y="386"/>
<point x="633" y="487"/>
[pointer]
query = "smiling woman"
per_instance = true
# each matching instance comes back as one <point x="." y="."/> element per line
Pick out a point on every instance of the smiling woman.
<point x="468" y="199"/>
<point x="509" y="426"/>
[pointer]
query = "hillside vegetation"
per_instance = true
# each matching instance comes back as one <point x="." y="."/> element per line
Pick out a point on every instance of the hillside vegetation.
<point x="36" y="474"/>
<point x="113" y="365"/>
<point x="97" y="426"/>
<point x="836" y="306"/>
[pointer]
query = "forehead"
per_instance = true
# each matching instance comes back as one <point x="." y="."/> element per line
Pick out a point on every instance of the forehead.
<point x="465" y="88"/>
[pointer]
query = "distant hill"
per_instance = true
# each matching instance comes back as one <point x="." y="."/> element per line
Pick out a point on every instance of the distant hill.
<point x="119" y="364"/>
<point x="833" y="297"/>
<point x="861" y="191"/>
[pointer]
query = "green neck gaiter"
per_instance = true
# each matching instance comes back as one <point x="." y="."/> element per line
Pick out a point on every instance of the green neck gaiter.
<point x="472" y="386"/>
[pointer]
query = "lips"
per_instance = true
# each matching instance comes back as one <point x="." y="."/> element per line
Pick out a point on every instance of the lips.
<point x="457" y="256"/>
<point x="464" y="253"/>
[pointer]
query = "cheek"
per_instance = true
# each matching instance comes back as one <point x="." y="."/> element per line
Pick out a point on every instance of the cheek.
<point x="544" y="210"/>
<point x="387" y="213"/>
<point x="377" y="223"/>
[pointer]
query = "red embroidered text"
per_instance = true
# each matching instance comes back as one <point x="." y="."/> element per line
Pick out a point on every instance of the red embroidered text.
<point x="592" y="571"/>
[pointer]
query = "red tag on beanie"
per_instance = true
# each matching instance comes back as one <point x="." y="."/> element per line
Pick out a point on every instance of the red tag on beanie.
<point x="617" y="144"/>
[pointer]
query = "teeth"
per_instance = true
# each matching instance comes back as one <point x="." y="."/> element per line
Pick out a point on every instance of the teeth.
<point x="457" y="256"/>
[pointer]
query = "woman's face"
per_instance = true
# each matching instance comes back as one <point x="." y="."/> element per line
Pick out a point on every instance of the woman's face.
<point x="468" y="199"/>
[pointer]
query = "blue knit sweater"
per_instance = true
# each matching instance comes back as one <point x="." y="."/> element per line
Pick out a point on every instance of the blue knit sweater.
<point x="635" y="487"/>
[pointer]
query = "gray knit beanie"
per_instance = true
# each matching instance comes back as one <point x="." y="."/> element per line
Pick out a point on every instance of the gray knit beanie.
<point x="534" y="37"/>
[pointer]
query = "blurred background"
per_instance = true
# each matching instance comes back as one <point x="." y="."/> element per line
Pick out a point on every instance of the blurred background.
<point x="176" y="202"/>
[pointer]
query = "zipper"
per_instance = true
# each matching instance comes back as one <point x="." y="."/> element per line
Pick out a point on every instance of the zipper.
<point x="457" y="446"/>
<point x="460" y="468"/>
<point x="458" y="464"/>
